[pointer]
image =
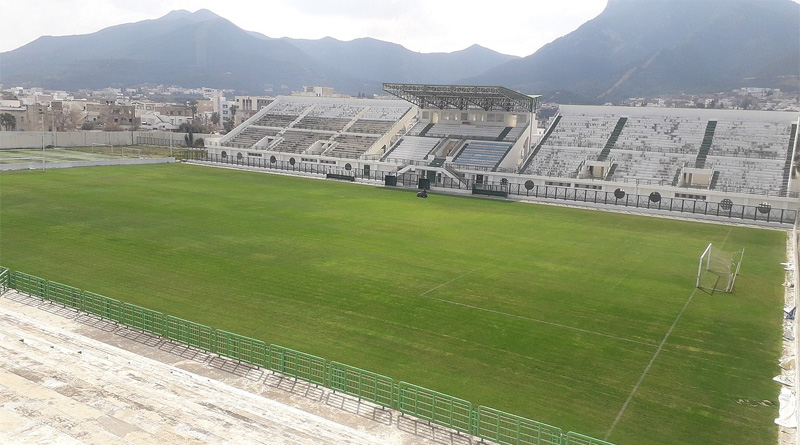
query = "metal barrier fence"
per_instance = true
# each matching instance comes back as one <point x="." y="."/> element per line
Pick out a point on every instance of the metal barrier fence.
<point x="100" y="306"/>
<point x="64" y="295"/>
<point x="297" y="364"/>
<point x="506" y="428"/>
<point x="143" y="319"/>
<point x="241" y="348"/>
<point x="579" y="439"/>
<point x="29" y="284"/>
<point x="363" y="384"/>
<point x="5" y="276"/>
<point x="435" y="407"/>
<point x="190" y="333"/>
<point x="655" y="201"/>
<point x="423" y="403"/>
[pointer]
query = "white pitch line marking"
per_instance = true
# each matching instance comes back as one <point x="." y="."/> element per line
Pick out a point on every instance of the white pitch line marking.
<point x="520" y="317"/>
<point x="652" y="360"/>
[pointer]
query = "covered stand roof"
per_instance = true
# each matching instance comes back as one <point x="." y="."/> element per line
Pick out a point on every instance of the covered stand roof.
<point x="463" y="97"/>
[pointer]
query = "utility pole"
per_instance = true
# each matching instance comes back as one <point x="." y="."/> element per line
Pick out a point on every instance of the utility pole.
<point x="41" y="119"/>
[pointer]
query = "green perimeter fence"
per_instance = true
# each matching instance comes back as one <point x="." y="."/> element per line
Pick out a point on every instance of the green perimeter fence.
<point x="423" y="403"/>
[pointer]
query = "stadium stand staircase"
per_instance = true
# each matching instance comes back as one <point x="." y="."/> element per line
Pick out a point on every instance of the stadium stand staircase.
<point x="611" y="171"/>
<point x="504" y="133"/>
<point x="426" y="129"/>
<point x="714" y="179"/>
<point x="612" y="139"/>
<point x="541" y="142"/>
<point x="437" y="162"/>
<point x="787" y="167"/>
<point x="676" y="178"/>
<point x="456" y="174"/>
<point x="705" y="147"/>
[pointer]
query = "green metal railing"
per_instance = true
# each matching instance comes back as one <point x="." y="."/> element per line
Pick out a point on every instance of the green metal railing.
<point x="360" y="383"/>
<point x="423" y="403"/>
<point x="29" y="284"/>
<point x="193" y="334"/>
<point x="143" y="319"/>
<point x="101" y="306"/>
<point x="510" y="429"/>
<point x="297" y="364"/>
<point x="64" y="295"/>
<point x="244" y="349"/>
<point x="5" y="276"/>
<point x="435" y="407"/>
<point x="579" y="439"/>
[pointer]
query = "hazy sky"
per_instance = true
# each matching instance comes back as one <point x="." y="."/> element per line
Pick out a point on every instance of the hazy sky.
<point x="517" y="27"/>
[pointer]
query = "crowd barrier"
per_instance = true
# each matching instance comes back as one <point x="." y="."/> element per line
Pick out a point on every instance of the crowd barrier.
<point x="420" y="402"/>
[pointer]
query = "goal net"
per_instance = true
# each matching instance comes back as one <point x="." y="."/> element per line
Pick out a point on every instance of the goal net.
<point x="718" y="269"/>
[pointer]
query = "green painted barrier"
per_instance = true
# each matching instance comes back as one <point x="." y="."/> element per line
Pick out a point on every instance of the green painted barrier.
<point x="509" y="429"/>
<point x="245" y="349"/>
<point x="363" y="384"/>
<point x="103" y="307"/>
<point x="191" y="333"/>
<point x="64" y="295"/>
<point x="5" y="276"/>
<point x="435" y="407"/>
<point x="579" y="439"/>
<point x="297" y="364"/>
<point x="143" y="319"/>
<point x="28" y="284"/>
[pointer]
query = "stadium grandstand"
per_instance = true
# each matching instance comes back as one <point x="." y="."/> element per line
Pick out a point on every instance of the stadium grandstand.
<point x="485" y="136"/>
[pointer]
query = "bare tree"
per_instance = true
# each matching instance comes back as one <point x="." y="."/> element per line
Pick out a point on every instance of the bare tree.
<point x="68" y="119"/>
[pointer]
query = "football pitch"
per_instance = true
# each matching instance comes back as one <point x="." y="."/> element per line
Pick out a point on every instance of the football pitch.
<point x="585" y="320"/>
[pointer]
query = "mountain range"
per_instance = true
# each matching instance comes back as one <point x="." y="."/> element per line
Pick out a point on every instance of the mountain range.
<point x="633" y="48"/>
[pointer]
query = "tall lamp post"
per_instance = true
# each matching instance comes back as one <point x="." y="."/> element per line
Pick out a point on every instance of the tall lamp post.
<point x="41" y="119"/>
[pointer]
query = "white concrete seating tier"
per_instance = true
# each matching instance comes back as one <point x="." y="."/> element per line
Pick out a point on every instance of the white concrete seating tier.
<point x="276" y="120"/>
<point x="662" y="134"/>
<point x="482" y="153"/>
<point x="380" y="113"/>
<point x="582" y="130"/>
<point x="560" y="161"/>
<point x="416" y="129"/>
<point x="322" y="123"/>
<point x="296" y="141"/>
<point x="514" y="134"/>
<point x="649" y="166"/>
<point x="353" y="145"/>
<point x="751" y="139"/>
<point x="250" y="136"/>
<point x="370" y="126"/>
<point x="414" y="148"/>
<point x="335" y="111"/>
<point x="748" y="175"/>
<point x="288" y="107"/>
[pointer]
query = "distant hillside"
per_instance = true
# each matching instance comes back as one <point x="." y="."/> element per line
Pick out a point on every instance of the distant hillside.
<point x="203" y="49"/>
<point x="651" y="47"/>
<point x="389" y="62"/>
<point x="633" y="48"/>
<point x="181" y="48"/>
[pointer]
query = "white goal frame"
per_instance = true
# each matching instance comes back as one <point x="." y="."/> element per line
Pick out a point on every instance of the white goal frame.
<point x="726" y="276"/>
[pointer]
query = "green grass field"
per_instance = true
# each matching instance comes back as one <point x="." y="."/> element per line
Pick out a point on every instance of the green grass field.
<point x="550" y="313"/>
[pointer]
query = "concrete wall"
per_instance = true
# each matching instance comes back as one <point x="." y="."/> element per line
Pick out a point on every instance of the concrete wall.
<point x="35" y="139"/>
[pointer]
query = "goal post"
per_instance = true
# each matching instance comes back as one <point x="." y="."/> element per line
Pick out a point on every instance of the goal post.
<point x="717" y="269"/>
